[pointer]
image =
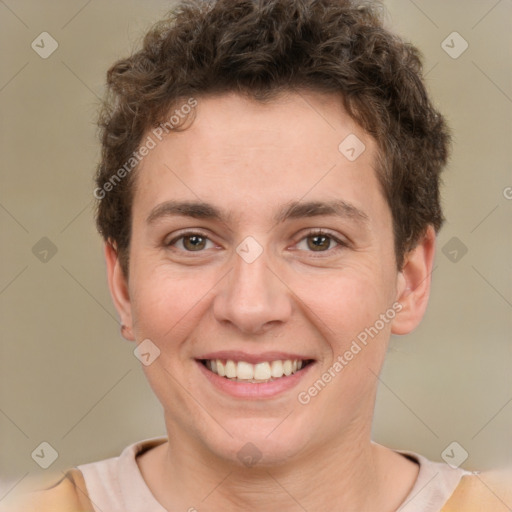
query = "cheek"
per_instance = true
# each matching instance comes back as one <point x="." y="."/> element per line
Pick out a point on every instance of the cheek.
<point x="165" y="305"/>
<point x="345" y="301"/>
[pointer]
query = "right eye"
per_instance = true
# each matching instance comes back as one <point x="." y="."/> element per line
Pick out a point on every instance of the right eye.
<point x="190" y="241"/>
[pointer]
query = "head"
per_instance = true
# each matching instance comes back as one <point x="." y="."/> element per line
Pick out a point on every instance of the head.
<point x="243" y="119"/>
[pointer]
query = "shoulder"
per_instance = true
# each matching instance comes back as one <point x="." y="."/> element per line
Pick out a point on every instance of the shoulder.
<point x="67" y="495"/>
<point x="107" y="481"/>
<point x="482" y="492"/>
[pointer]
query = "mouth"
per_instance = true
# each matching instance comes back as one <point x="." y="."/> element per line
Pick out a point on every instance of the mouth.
<point x="257" y="373"/>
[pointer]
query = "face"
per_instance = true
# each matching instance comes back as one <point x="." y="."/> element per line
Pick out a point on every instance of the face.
<point x="260" y="250"/>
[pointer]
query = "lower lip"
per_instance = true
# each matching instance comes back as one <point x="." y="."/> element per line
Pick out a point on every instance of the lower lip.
<point x="249" y="390"/>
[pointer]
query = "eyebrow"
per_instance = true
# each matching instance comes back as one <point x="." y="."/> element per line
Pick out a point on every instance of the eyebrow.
<point x="292" y="210"/>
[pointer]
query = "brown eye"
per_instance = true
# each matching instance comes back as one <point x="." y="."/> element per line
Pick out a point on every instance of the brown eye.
<point x="190" y="242"/>
<point x="318" y="242"/>
<point x="194" y="242"/>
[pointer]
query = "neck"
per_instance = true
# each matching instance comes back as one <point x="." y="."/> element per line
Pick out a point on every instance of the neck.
<point x="353" y="476"/>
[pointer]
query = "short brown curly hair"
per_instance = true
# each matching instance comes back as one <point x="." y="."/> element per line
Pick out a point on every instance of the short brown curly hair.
<point x="262" y="48"/>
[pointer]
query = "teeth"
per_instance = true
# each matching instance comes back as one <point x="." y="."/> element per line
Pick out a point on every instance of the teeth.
<point x="231" y="372"/>
<point x="245" y="370"/>
<point x="277" y="369"/>
<point x="260" y="372"/>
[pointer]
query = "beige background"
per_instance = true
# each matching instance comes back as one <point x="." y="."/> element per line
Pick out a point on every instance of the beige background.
<point x="66" y="375"/>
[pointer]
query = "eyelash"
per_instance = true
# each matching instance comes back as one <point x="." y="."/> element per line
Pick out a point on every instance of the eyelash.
<point x="318" y="232"/>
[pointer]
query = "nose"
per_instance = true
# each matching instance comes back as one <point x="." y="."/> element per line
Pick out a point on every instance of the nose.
<point x="252" y="297"/>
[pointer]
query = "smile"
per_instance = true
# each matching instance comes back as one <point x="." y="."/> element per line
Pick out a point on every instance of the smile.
<point x="265" y="371"/>
<point x="246" y="376"/>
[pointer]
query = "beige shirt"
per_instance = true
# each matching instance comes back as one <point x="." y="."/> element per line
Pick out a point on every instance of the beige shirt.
<point x="117" y="485"/>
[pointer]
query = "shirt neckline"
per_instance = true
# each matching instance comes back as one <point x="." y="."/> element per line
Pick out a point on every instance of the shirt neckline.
<point x="434" y="484"/>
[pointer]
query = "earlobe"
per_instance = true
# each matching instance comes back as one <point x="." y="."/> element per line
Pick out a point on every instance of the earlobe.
<point x="413" y="284"/>
<point x="118" y="286"/>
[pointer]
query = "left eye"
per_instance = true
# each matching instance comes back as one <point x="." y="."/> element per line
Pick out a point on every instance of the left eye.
<point x="319" y="241"/>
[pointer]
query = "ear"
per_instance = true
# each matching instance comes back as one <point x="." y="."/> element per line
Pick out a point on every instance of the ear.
<point x="413" y="286"/>
<point x="118" y="285"/>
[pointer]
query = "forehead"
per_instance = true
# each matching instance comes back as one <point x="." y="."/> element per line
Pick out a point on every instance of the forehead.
<point x="246" y="153"/>
<point x="226" y="125"/>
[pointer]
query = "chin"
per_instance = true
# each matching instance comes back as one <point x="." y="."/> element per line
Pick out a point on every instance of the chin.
<point x="265" y="442"/>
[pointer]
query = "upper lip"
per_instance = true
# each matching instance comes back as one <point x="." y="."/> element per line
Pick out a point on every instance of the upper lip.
<point x="253" y="358"/>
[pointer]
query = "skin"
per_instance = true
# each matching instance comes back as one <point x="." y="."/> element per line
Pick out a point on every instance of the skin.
<point x="249" y="159"/>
